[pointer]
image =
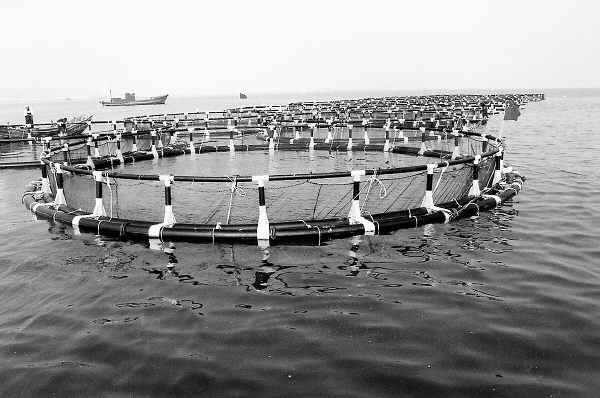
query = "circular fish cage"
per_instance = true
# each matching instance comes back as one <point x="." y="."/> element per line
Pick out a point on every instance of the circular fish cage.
<point x="300" y="174"/>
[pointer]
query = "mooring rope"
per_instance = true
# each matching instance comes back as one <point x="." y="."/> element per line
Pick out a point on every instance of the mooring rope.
<point x="311" y="226"/>
<point x="440" y="177"/>
<point x="233" y="189"/>
<point x="107" y="180"/>
<point x="372" y="180"/>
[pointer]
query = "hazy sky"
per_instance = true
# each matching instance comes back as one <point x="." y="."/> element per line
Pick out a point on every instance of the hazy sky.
<point x="55" y="49"/>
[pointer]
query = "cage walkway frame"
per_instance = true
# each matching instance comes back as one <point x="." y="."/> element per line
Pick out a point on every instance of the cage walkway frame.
<point x="47" y="200"/>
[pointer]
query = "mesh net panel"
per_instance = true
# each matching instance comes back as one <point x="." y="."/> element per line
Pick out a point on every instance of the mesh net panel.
<point x="236" y="202"/>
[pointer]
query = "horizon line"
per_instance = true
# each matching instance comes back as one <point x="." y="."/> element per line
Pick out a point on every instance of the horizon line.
<point x="308" y="92"/>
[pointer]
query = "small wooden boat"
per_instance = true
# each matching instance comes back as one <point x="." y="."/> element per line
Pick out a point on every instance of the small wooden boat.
<point x="130" y="100"/>
<point x="75" y="126"/>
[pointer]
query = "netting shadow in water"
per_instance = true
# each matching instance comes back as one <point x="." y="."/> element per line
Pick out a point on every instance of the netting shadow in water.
<point x="270" y="188"/>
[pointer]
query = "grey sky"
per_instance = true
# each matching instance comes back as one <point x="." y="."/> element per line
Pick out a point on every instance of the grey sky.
<point x="55" y="49"/>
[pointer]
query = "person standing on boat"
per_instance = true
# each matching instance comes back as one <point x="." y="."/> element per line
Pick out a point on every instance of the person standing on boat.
<point x="28" y="117"/>
<point x="484" y="109"/>
<point x="62" y="126"/>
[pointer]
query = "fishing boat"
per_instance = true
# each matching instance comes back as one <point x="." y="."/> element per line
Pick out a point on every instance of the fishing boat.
<point x="74" y="126"/>
<point x="130" y="100"/>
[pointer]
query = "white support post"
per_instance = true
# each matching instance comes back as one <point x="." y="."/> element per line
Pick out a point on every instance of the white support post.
<point x="428" y="198"/>
<point x="191" y="143"/>
<point x="366" y="133"/>
<point x="89" y="161"/>
<point x="474" y="190"/>
<point x="262" y="228"/>
<point x="45" y="180"/>
<point x="59" y="199"/>
<point x="134" y="147"/>
<point x="497" y="169"/>
<point x="329" y="135"/>
<point x="95" y="137"/>
<point x="311" y="145"/>
<point x="169" y="218"/>
<point x="349" y="146"/>
<point x="456" y="151"/>
<point x="386" y="146"/>
<point x="46" y="141"/>
<point x="99" y="207"/>
<point x="231" y="139"/>
<point x="423" y="146"/>
<point x="153" y="147"/>
<point x="355" y="215"/>
<point x="119" y="151"/>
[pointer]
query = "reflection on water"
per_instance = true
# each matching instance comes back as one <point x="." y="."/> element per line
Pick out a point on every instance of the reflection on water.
<point x="408" y="259"/>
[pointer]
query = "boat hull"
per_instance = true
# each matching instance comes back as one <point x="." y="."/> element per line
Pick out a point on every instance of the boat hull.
<point x="75" y="126"/>
<point x="148" y="101"/>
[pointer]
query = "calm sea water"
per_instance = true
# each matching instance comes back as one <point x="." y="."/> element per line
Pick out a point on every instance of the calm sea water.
<point x="505" y="305"/>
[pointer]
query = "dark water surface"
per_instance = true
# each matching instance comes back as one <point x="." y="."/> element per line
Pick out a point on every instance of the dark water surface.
<point x="505" y="305"/>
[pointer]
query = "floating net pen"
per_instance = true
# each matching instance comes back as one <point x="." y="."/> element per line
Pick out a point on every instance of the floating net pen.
<point x="237" y="180"/>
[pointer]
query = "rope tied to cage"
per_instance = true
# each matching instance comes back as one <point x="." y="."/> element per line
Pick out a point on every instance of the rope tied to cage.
<point x="441" y="174"/>
<point x="233" y="188"/>
<point x="107" y="181"/>
<point x="374" y="180"/>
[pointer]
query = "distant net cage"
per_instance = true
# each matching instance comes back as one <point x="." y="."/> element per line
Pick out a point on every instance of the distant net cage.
<point x="238" y="179"/>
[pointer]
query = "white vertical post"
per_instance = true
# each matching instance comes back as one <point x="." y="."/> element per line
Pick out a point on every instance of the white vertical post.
<point x="423" y="138"/>
<point x="366" y="134"/>
<point x="311" y="145"/>
<point x="99" y="207"/>
<point x="329" y="135"/>
<point x="119" y="151"/>
<point x="262" y="229"/>
<point x="134" y="146"/>
<point x="153" y="147"/>
<point x="456" y="151"/>
<point x="355" y="216"/>
<point x="88" y="145"/>
<point x="192" y="147"/>
<point x="174" y="136"/>
<point x="474" y="190"/>
<point x="59" y="199"/>
<point x="428" y="198"/>
<point x="349" y="147"/>
<point x="272" y="137"/>
<point x="231" y="143"/>
<point x="45" y="180"/>
<point x="497" y="169"/>
<point x="386" y="146"/>
<point x="169" y="217"/>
